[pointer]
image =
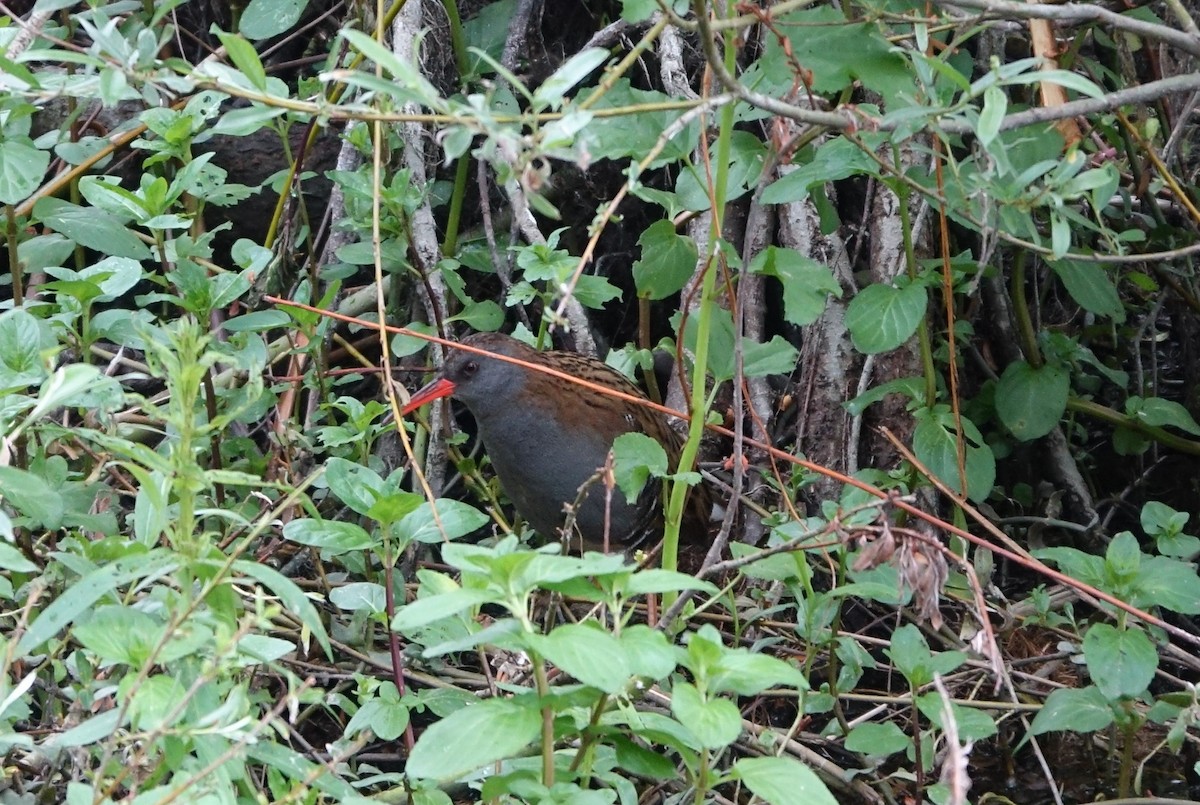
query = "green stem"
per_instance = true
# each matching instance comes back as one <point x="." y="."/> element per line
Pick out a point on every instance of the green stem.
<point x="698" y="411"/>
<point x="928" y="369"/>
<point x="1021" y="312"/>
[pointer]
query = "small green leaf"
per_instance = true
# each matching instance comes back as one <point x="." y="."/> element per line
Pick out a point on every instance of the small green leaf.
<point x="807" y="284"/>
<point x="879" y="740"/>
<point x="242" y="53"/>
<point x="1121" y="661"/>
<point x="474" y="737"/>
<point x="782" y="781"/>
<point x="588" y="653"/>
<point x="995" y="106"/>
<point x="636" y="459"/>
<point x="1075" y="709"/>
<point x="716" y="722"/>
<point x="1090" y="285"/>
<point x="22" y="168"/>
<point x="551" y="91"/>
<point x="881" y="318"/>
<point x="332" y="536"/>
<point x="1030" y="402"/>
<point x="1158" y="412"/>
<point x="262" y="19"/>
<point x="91" y="228"/>
<point x="668" y="260"/>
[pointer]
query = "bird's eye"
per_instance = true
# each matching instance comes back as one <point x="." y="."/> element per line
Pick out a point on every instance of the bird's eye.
<point x="470" y="368"/>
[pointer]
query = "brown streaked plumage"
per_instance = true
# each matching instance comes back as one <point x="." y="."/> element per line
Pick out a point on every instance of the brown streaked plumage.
<point x="547" y="437"/>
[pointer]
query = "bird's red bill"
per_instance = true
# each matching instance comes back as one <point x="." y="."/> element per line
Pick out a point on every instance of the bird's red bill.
<point x="434" y="391"/>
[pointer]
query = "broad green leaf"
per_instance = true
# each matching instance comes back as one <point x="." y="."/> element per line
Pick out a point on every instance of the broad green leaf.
<point x="474" y="737"/>
<point x="807" y="284"/>
<point x="91" y="228"/>
<point x="262" y="19"/>
<point x="835" y="160"/>
<point x="456" y="518"/>
<point x="31" y="497"/>
<point x="290" y="595"/>
<point x="1075" y="709"/>
<point x="359" y="596"/>
<point x="668" y="260"/>
<point x="636" y="459"/>
<point x="782" y="781"/>
<point x="551" y="91"/>
<point x="588" y="653"/>
<point x="12" y="559"/>
<point x="747" y="674"/>
<point x="879" y="740"/>
<point x="22" y="168"/>
<point x="1030" y="402"/>
<point x="332" y="536"/>
<point x="937" y="448"/>
<point x="716" y="722"/>
<point x="1158" y="412"/>
<point x="82" y="593"/>
<point x="973" y="723"/>
<point x="1121" y="662"/>
<point x="356" y="485"/>
<point x="426" y="610"/>
<point x="776" y="357"/>
<point x="21" y="344"/>
<point x="881" y="318"/>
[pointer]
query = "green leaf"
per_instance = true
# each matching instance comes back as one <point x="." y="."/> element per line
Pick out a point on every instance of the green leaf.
<point x="21" y="343"/>
<point x="776" y="357"/>
<point x="12" y="559"/>
<point x="31" y="497"/>
<point x="243" y="54"/>
<point x="1157" y="412"/>
<point x="881" y="318"/>
<point x="716" y="722"/>
<point x="85" y="591"/>
<point x="588" y="653"/>
<point x="747" y="674"/>
<point x="474" y="737"/>
<point x="668" y="260"/>
<point x="333" y="536"/>
<point x="935" y="445"/>
<point x="1074" y="709"/>
<point x="995" y="105"/>
<point x="1121" y="661"/>
<point x="879" y="740"/>
<point x="1030" y="402"/>
<point x="359" y="596"/>
<point x="807" y="283"/>
<point x="91" y="228"/>
<point x="1090" y="285"/>
<point x="291" y="596"/>
<point x="22" y="168"/>
<point x="835" y="160"/>
<point x="782" y="781"/>
<point x="636" y="459"/>
<point x="457" y="519"/>
<point x="551" y="92"/>
<point x="973" y="723"/>
<point x="356" y="485"/>
<point x="262" y="19"/>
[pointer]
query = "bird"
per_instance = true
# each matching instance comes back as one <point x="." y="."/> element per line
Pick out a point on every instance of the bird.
<point x="547" y="438"/>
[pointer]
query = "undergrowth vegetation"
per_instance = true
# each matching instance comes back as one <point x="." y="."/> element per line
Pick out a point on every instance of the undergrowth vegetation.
<point x="928" y="275"/>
